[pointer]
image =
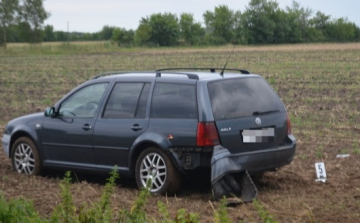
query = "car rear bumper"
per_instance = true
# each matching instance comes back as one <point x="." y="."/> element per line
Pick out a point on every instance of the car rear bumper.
<point x="6" y="144"/>
<point x="224" y="162"/>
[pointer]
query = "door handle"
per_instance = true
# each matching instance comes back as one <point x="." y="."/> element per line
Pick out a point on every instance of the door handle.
<point x="136" y="127"/>
<point x="87" y="127"/>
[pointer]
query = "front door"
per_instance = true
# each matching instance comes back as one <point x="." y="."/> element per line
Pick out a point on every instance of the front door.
<point x="67" y="137"/>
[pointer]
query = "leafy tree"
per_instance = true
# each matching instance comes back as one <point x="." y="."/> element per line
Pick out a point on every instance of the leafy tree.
<point x="123" y="37"/>
<point x="190" y="31"/>
<point x="320" y="21"/>
<point x="107" y="32"/>
<point x="143" y="33"/>
<point x="61" y="36"/>
<point x="24" y="29"/>
<point x="8" y="10"/>
<point x="33" y="13"/>
<point x="319" y="25"/>
<point x="300" y="17"/>
<point x="259" y="22"/>
<point x="159" y="29"/>
<point x="341" y="30"/>
<point x="223" y="22"/>
<point x="49" y="33"/>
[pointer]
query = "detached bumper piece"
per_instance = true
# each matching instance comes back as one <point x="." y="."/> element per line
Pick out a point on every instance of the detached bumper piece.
<point x="237" y="188"/>
<point x="229" y="172"/>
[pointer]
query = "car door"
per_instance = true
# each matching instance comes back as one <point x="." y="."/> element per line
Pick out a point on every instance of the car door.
<point x="122" y="121"/>
<point x="67" y="136"/>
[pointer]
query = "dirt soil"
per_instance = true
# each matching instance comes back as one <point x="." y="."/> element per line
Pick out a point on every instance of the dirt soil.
<point x="319" y="85"/>
<point x="291" y="194"/>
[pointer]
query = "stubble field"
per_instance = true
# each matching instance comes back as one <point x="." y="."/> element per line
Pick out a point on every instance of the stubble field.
<point x="319" y="85"/>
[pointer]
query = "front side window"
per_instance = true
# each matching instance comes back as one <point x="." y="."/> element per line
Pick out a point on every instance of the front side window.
<point x="127" y="100"/>
<point x="174" y="101"/>
<point x="83" y="103"/>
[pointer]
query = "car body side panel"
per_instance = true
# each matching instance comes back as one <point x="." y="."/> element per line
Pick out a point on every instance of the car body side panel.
<point x="148" y="137"/>
<point x="204" y="105"/>
<point x="30" y="125"/>
<point x="65" y="140"/>
<point x="113" y="139"/>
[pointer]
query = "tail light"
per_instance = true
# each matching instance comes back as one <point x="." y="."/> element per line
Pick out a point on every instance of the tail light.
<point x="207" y="134"/>
<point x="288" y="124"/>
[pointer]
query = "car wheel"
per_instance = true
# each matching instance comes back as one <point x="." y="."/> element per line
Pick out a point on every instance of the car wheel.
<point x="25" y="157"/>
<point x="155" y="166"/>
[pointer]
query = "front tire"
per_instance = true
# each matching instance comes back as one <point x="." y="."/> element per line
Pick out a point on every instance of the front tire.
<point x="153" y="164"/>
<point x="25" y="157"/>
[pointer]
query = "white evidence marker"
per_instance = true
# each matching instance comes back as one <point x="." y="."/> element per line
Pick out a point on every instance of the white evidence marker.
<point x="320" y="172"/>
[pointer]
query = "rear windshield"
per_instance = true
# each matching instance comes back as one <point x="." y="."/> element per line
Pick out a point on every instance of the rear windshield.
<point x="241" y="97"/>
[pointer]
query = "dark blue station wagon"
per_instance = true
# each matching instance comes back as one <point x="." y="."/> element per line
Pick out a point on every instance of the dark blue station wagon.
<point x="156" y="126"/>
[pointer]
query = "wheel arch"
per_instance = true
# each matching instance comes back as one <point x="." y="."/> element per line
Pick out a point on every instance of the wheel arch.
<point x="135" y="153"/>
<point x="144" y="141"/>
<point x="17" y="135"/>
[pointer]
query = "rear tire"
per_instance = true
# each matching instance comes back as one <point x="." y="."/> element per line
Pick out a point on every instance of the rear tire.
<point x="25" y="157"/>
<point x="155" y="165"/>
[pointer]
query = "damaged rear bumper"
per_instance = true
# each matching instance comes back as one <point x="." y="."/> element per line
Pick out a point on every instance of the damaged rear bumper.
<point x="224" y="163"/>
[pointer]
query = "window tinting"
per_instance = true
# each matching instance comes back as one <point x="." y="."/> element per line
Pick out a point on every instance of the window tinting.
<point x="235" y="98"/>
<point x="123" y="100"/>
<point x="174" y="101"/>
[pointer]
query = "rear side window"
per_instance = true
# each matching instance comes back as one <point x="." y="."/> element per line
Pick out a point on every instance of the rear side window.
<point x="241" y="97"/>
<point x="127" y="100"/>
<point x="174" y="101"/>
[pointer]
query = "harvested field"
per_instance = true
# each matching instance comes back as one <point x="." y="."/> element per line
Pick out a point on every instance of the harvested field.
<point x="318" y="83"/>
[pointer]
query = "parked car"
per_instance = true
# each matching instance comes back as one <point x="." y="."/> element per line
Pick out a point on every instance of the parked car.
<point x="156" y="126"/>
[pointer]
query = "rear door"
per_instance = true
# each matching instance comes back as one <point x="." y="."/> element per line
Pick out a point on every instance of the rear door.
<point x="122" y="121"/>
<point x="248" y="114"/>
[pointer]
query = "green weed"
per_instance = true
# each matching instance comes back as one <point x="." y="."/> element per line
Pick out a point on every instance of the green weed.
<point x="319" y="153"/>
<point x="66" y="211"/>
<point x="263" y="213"/>
<point x="137" y="212"/>
<point x="356" y="149"/>
<point x="18" y="211"/>
<point x="183" y="217"/>
<point x="221" y="215"/>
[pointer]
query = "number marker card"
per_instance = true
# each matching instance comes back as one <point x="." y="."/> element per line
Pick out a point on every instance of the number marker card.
<point x="320" y="172"/>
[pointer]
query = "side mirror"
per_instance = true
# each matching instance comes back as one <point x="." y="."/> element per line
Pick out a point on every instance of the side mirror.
<point x="49" y="112"/>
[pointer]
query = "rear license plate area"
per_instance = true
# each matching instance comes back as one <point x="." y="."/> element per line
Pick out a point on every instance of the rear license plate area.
<point x="264" y="135"/>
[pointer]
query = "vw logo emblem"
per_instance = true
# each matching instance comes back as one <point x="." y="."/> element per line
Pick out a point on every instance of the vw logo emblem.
<point x="258" y="121"/>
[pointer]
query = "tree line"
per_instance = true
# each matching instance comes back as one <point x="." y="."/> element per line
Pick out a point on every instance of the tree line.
<point x="262" y="22"/>
<point x="22" y="21"/>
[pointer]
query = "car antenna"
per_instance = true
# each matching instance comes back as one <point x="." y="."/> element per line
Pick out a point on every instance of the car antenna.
<point x="222" y="72"/>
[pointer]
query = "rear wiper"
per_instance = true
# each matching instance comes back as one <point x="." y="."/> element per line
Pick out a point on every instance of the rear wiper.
<point x="264" y="112"/>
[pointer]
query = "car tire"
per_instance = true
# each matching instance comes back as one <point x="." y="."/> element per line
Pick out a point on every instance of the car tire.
<point x="25" y="157"/>
<point x="155" y="165"/>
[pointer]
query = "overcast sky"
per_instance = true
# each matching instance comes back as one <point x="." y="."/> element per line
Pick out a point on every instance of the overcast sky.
<point x="92" y="15"/>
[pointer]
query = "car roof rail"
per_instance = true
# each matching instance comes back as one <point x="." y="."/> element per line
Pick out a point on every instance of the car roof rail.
<point x="190" y="76"/>
<point x="157" y="74"/>
<point x="212" y="69"/>
<point x="110" y="73"/>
